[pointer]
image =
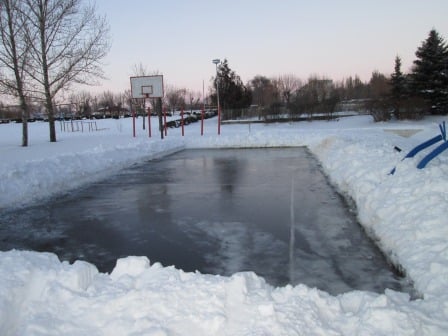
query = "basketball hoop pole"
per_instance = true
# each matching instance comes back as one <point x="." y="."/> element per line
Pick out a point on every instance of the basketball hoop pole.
<point x="133" y="122"/>
<point x="142" y="105"/>
<point x="164" y="121"/>
<point x="202" y="120"/>
<point x="149" y="115"/>
<point x="216" y="62"/>
<point x="182" y="120"/>
<point x="203" y="108"/>
<point x="148" y="87"/>
<point x="132" y="103"/>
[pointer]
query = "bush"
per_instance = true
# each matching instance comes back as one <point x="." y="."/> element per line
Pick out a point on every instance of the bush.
<point x="380" y="109"/>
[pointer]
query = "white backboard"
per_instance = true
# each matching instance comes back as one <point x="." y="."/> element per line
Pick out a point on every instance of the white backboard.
<point x="147" y="86"/>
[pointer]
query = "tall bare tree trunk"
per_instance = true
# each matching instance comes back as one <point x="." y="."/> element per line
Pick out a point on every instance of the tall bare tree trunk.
<point x="9" y="57"/>
<point x="25" y="114"/>
<point x="46" y="81"/>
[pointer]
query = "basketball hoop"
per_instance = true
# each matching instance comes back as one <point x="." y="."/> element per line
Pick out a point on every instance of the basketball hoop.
<point x="147" y="90"/>
<point x="147" y="87"/>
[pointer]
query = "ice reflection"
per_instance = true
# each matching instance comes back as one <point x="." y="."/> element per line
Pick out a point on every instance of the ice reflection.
<point x="228" y="170"/>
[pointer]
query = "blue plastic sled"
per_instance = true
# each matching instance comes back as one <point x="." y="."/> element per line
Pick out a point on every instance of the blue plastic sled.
<point x="423" y="145"/>
<point x="422" y="164"/>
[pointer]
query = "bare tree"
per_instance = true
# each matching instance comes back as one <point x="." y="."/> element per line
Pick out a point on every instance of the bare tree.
<point x="195" y="99"/>
<point x="122" y="100"/>
<point x="67" y="41"/>
<point x="379" y="104"/>
<point x="264" y="93"/>
<point x="175" y="97"/>
<point x="317" y="96"/>
<point x="288" y="84"/>
<point x="13" y="58"/>
<point x="106" y="98"/>
<point x="126" y="98"/>
<point x="141" y="70"/>
<point x="82" y="102"/>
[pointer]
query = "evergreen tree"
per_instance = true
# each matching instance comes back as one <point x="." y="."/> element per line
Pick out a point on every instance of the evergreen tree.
<point x="232" y="92"/>
<point x="398" y="87"/>
<point x="430" y="72"/>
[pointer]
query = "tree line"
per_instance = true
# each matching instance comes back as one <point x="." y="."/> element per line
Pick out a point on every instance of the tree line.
<point x="47" y="46"/>
<point x="403" y="96"/>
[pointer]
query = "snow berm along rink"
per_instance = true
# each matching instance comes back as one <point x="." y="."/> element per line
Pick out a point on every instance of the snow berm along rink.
<point x="406" y="212"/>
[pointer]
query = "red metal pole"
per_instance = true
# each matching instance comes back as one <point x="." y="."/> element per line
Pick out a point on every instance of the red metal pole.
<point x="149" y="122"/>
<point x="182" y="120"/>
<point x="133" y="123"/>
<point x="219" y="120"/>
<point x="202" y="121"/>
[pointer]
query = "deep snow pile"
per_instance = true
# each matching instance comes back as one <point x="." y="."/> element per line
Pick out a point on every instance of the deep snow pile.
<point x="39" y="295"/>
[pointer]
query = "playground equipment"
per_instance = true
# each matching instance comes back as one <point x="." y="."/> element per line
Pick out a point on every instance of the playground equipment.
<point x="439" y="149"/>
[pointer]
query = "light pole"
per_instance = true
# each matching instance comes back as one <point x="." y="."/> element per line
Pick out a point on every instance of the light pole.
<point x="216" y="62"/>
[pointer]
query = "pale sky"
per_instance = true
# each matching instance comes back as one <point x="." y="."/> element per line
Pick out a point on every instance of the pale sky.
<point x="331" y="38"/>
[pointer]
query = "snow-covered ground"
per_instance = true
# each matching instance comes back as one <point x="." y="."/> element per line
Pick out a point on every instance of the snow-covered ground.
<point x="39" y="295"/>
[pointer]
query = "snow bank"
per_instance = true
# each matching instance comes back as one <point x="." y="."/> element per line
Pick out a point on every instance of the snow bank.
<point x="46" y="297"/>
<point x="39" y="295"/>
<point x="398" y="209"/>
<point x="39" y="178"/>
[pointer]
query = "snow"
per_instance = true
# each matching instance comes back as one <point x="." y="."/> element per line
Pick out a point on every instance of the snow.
<point x="405" y="212"/>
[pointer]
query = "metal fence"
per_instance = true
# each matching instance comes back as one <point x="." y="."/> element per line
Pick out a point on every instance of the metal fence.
<point x="279" y="114"/>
